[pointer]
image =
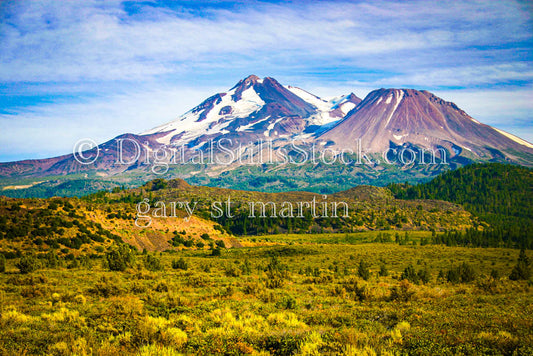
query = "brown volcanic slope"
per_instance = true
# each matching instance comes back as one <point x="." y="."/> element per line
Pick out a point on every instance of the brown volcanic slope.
<point x="389" y="117"/>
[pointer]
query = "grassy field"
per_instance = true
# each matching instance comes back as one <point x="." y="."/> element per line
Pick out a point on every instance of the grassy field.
<point x="293" y="294"/>
<point x="336" y="238"/>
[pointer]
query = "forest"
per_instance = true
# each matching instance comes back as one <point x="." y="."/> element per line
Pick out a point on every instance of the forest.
<point x="499" y="194"/>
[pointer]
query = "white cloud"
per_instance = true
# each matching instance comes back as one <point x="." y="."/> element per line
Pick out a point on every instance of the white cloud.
<point x="52" y="129"/>
<point x="464" y="76"/>
<point x="50" y="41"/>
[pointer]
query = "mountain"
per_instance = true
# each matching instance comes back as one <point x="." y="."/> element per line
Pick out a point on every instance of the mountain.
<point x="406" y="117"/>
<point x="254" y="109"/>
<point x="292" y="122"/>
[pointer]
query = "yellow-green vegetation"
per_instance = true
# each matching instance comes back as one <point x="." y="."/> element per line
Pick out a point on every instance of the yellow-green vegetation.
<point x="257" y="213"/>
<point x="299" y="297"/>
<point x="403" y="237"/>
<point x="76" y="227"/>
<point x="393" y="277"/>
<point x="94" y="224"/>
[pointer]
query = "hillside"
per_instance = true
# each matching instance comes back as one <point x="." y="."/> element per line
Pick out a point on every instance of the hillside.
<point x="499" y="194"/>
<point x="94" y="224"/>
<point x="77" y="228"/>
<point x="369" y="208"/>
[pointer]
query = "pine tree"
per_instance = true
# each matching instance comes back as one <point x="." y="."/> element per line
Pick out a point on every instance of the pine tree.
<point x="383" y="271"/>
<point x="410" y="274"/>
<point x="521" y="271"/>
<point x="363" y="271"/>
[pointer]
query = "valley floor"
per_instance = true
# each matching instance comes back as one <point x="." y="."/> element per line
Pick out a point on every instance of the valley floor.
<point x="273" y="297"/>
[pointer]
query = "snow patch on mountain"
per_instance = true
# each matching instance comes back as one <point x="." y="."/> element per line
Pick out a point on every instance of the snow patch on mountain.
<point x="252" y="124"/>
<point x="399" y="98"/>
<point x="347" y="107"/>
<point x="514" y="138"/>
<point x="324" y="107"/>
<point x="317" y="102"/>
<point x="190" y="126"/>
<point x="250" y="102"/>
<point x="271" y="127"/>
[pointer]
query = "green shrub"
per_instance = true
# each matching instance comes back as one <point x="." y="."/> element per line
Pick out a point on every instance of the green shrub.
<point x="403" y="292"/>
<point x="363" y="271"/>
<point x="521" y="271"/>
<point x="276" y="273"/>
<point x="357" y="291"/>
<point x="231" y="270"/>
<point x="286" y="302"/>
<point x="120" y="258"/>
<point x="410" y="274"/>
<point x="107" y="287"/>
<point x="246" y="267"/>
<point x="495" y="274"/>
<point x="383" y="271"/>
<point x="152" y="263"/>
<point x="73" y="264"/>
<point x="424" y="276"/>
<point x="464" y="273"/>
<point x="2" y="263"/>
<point x="52" y="260"/>
<point x="27" y="264"/>
<point x="180" y="264"/>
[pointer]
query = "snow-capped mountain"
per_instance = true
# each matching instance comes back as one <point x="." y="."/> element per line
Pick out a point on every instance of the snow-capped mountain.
<point x="396" y="117"/>
<point x="263" y="109"/>
<point x="254" y="109"/>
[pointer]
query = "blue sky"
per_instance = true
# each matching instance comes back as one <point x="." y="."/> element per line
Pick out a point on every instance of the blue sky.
<point x="76" y="69"/>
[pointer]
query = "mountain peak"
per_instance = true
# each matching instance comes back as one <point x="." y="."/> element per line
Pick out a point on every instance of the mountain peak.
<point x="252" y="77"/>
<point x="353" y="98"/>
<point x="399" y="91"/>
<point x="389" y="117"/>
<point x="247" y="82"/>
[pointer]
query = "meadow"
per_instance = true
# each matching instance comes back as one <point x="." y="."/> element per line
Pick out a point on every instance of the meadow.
<point x="333" y="294"/>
